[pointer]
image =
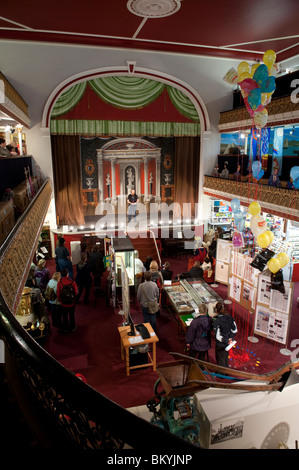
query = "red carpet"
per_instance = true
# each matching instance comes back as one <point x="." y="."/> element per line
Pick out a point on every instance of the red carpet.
<point x="94" y="348"/>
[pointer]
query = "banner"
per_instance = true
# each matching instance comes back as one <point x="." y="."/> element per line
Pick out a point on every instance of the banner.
<point x="265" y="139"/>
<point x="277" y="149"/>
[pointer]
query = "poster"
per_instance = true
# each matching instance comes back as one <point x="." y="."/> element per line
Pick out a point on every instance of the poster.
<point x="262" y="321"/>
<point x="221" y="272"/>
<point x="237" y="264"/>
<point x="235" y="288"/>
<point x="278" y="327"/>
<point x="279" y="301"/>
<point x="223" y="251"/>
<point x="264" y="290"/>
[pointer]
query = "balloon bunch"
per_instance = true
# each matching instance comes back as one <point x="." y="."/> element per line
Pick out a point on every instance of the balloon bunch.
<point x="257" y="83"/>
<point x="264" y="237"/>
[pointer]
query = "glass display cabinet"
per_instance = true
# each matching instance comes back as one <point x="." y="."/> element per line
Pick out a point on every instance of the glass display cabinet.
<point x="123" y="251"/>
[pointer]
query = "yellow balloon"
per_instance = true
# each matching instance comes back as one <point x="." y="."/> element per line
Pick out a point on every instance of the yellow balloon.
<point x="254" y="208"/>
<point x="270" y="235"/>
<point x="253" y="69"/>
<point x="243" y="67"/>
<point x="273" y="265"/>
<point x="263" y="240"/>
<point x="283" y="259"/>
<point x="243" y="75"/>
<point x="269" y="58"/>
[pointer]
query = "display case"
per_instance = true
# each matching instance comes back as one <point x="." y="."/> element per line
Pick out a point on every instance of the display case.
<point x="123" y="252"/>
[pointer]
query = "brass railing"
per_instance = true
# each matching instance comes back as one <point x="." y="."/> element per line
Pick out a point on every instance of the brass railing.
<point x="77" y="415"/>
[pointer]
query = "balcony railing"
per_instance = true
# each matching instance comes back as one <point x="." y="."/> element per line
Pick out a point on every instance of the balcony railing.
<point x="278" y="201"/>
<point x="73" y="414"/>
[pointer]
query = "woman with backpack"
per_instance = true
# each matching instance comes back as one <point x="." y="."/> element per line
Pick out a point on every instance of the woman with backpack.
<point x="67" y="292"/>
<point x="51" y="296"/>
<point x="198" y="336"/>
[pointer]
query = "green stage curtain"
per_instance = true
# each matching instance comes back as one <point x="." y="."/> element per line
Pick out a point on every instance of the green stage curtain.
<point x="187" y="160"/>
<point x="67" y="179"/>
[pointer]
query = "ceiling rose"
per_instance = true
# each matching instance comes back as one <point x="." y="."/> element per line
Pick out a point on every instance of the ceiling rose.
<point x="153" y="8"/>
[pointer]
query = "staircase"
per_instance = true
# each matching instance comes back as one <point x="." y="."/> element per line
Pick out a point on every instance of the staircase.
<point x="146" y="245"/>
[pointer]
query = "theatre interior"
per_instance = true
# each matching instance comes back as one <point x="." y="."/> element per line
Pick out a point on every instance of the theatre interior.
<point x="149" y="144"/>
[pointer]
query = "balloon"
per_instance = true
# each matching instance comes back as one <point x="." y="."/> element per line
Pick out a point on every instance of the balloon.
<point x="256" y="168"/>
<point x="254" y="208"/>
<point x="283" y="259"/>
<point x="253" y="69"/>
<point x="263" y="240"/>
<point x="248" y="84"/>
<point x="261" y="118"/>
<point x="270" y="235"/>
<point x="243" y="67"/>
<point x="238" y="215"/>
<point x="268" y="85"/>
<point x="274" y="70"/>
<point x="254" y="98"/>
<point x="235" y="204"/>
<point x="265" y="98"/>
<point x="243" y="76"/>
<point x="261" y="74"/>
<point x="240" y="224"/>
<point x="269" y="58"/>
<point x="258" y="225"/>
<point x="294" y="173"/>
<point x="273" y="265"/>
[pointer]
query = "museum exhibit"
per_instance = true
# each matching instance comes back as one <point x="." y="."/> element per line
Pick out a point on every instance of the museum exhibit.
<point x="149" y="274"/>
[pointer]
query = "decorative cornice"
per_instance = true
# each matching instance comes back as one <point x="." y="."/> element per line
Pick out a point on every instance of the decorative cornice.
<point x="13" y="103"/>
<point x="277" y="201"/>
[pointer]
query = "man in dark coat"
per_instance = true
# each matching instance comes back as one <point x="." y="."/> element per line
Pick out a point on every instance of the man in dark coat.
<point x="198" y="336"/>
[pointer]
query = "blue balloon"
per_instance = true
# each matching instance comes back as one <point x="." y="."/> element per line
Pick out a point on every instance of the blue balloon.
<point x="260" y="175"/>
<point x="238" y="215"/>
<point x="294" y="173"/>
<point x="240" y="224"/>
<point x="261" y="74"/>
<point x="256" y="168"/>
<point x="235" y="204"/>
<point x="268" y="85"/>
<point x="254" y="98"/>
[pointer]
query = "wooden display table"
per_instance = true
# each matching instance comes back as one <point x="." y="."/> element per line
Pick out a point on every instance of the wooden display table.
<point x="126" y="342"/>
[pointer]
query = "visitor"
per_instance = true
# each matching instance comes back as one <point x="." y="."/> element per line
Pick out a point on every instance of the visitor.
<point x="42" y="275"/>
<point x="51" y="296"/>
<point x="67" y="292"/>
<point x="83" y="279"/>
<point x="198" y="336"/>
<point x="4" y="152"/>
<point x="274" y="178"/>
<point x="62" y="257"/>
<point x="139" y="270"/>
<point x="148" y="291"/>
<point x="96" y="261"/>
<point x="147" y="262"/>
<point x="195" y="272"/>
<point x="156" y="274"/>
<point x="207" y="263"/>
<point x="30" y="282"/>
<point x="225" y="330"/>
<point x="200" y="254"/>
<point x="166" y="272"/>
<point x="213" y="246"/>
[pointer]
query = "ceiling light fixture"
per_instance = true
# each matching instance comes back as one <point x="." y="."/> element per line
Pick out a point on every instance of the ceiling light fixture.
<point x="153" y="8"/>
